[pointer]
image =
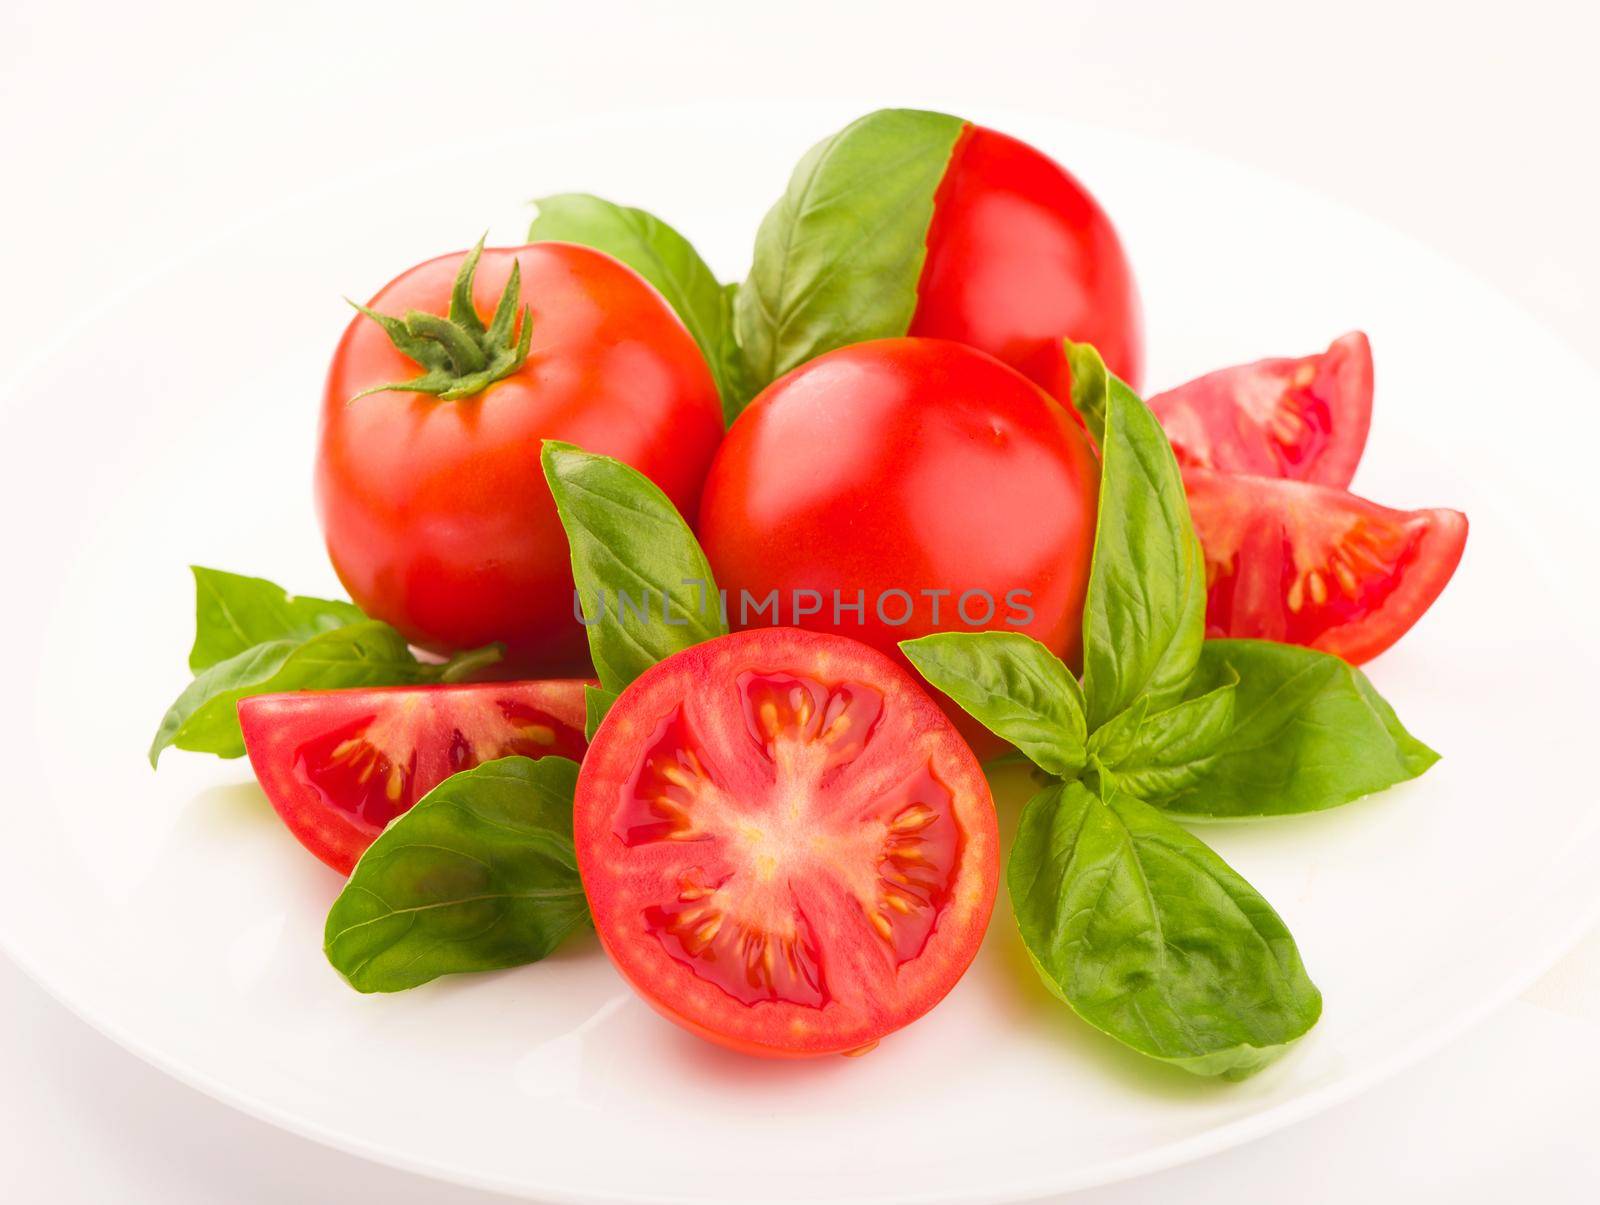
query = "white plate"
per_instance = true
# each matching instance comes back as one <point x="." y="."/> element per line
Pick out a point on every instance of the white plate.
<point x="175" y="914"/>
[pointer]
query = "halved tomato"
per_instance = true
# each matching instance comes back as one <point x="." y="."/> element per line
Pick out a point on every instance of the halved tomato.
<point x="1304" y="419"/>
<point x="786" y="846"/>
<point x="339" y="765"/>
<point x="1313" y="565"/>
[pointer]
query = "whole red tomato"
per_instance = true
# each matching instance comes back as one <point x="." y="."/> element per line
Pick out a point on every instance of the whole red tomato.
<point x="436" y="513"/>
<point x="900" y="487"/>
<point x="1020" y="256"/>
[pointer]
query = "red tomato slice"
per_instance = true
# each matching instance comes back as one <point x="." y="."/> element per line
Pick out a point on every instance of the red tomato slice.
<point x="1313" y="565"/>
<point x="1304" y="419"/>
<point x="338" y="765"/>
<point x="786" y="846"/>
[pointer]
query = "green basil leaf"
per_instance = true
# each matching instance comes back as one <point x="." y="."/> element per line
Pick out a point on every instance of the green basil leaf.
<point x="1091" y="382"/>
<point x="205" y="718"/>
<point x="1152" y="938"/>
<point x="233" y="613"/>
<point x="643" y="583"/>
<point x="1118" y="737"/>
<point x="1012" y="685"/>
<point x="658" y="253"/>
<point x="1173" y="749"/>
<point x="731" y="369"/>
<point x="1144" y="617"/>
<point x="480" y="875"/>
<point x="1307" y="732"/>
<point x="596" y="702"/>
<point x="838" y="258"/>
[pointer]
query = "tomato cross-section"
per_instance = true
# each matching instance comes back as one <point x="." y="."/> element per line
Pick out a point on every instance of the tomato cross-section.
<point x="1304" y="419"/>
<point x="339" y="765"/>
<point x="1310" y="564"/>
<point x="787" y="847"/>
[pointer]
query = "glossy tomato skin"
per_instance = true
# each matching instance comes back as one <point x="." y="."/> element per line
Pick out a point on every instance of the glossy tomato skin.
<point x="436" y="513"/>
<point x="1020" y="256"/>
<point x="1311" y="564"/>
<point x="786" y="847"/>
<point x="909" y="466"/>
<point x="1302" y="418"/>
<point x="339" y="765"/>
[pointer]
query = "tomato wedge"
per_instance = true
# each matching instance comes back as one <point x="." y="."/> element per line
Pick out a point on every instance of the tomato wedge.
<point x="339" y="765"/>
<point x="1304" y="419"/>
<point x="1310" y="564"/>
<point x="786" y="847"/>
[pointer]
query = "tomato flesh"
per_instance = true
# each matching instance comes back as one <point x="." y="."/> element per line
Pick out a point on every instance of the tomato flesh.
<point x="786" y="846"/>
<point x="1305" y="419"/>
<point x="436" y="513"/>
<point x="1314" y="565"/>
<point x="919" y="478"/>
<point x="1021" y="256"/>
<point x="339" y="765"/>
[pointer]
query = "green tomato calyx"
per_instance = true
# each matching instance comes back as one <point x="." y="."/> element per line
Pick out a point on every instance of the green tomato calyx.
<point x="459" y="356"/>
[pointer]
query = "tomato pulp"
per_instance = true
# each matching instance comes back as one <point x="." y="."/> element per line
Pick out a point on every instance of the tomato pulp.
<point x="436" y="514"/>
<point x="1305" y="419"/>
<point x="339" y="765"/>
<point x="1314" y="565"/>
<point x="1021" y="256"/>
<point x="786" y="847"/>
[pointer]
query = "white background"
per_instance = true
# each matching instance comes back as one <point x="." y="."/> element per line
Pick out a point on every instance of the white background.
<point x="128" y="130"/>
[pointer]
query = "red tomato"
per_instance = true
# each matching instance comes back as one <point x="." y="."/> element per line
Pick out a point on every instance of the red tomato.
<point x="1306" y="419"/>
<point x="920" y="478"/>
<point x="338" y="765"/>
<point x="786" y="847"/>
<point x="1020" y="256"/>
<point x="1313" y="565"/>
<point x="436" y="513"/>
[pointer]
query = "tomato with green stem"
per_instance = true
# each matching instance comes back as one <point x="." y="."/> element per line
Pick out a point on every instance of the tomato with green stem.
<point x="436" y="515"/>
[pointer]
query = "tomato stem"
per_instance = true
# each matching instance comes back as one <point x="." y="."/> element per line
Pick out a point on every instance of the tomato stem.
<point x="463" y="665"/>
<point x="459" y="356"/>
<point x="465" y="354"/>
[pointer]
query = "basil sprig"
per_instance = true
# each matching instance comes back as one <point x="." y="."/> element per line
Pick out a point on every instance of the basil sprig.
<point x="663" y="257"/>
<point x="479" y="875"/>
<point x="1133" y="921"/>
<point x="838" y="258"/>
<point x="252" y="637"/>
